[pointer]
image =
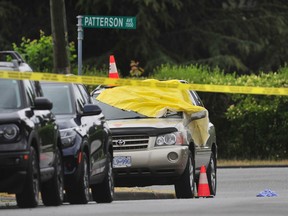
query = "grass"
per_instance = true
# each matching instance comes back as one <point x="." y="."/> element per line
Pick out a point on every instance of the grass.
<point x="222" y="162"/>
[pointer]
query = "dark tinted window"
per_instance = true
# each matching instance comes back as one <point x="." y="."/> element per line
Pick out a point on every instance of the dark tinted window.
<point x="84" y="93"/>
<point x="29" y="92"/>
<point x="60" y="96"/>
<point x="111" y="112"/>
<point x="79" y="99"/>
<point x="9" y="94"/>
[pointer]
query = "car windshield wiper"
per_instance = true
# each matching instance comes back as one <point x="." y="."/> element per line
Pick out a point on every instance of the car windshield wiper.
<point x="135" y="117"/>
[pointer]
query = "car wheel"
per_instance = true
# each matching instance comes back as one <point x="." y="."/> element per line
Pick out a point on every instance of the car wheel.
<point x="29" y="197"/>
<point x="211" y="174"/>
<point x="104" y="192"/>
<point x="52" y="190"/>
<point x="78" y="191"/>
<point x="184" y="187"/>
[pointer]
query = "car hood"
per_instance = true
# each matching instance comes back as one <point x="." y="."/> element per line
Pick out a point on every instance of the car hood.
<point x="9" y="115"/>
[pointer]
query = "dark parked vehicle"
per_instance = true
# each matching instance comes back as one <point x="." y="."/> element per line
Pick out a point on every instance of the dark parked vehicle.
<point x="86" y="143"/>
<point x="30" y="155"/>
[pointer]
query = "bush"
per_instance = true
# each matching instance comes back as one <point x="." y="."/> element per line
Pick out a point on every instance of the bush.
<point x="39" y="53"/>
<point x="247" y="126"/>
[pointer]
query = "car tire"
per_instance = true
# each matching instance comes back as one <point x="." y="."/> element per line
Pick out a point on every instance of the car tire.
<point x="104" y="192"/>
<point x="184" y="187"/>
<point x="212" y="174"/>
<point x="78" y="191"/>
<point x="52" y="190"/>
<point x="29" y="197"/>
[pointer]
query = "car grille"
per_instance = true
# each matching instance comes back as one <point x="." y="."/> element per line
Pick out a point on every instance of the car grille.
<point x="130" y="142"/>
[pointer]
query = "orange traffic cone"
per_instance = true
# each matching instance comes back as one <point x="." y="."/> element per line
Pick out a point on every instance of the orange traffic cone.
<point x="112" y="68"/>
<point x="203" y="187"/>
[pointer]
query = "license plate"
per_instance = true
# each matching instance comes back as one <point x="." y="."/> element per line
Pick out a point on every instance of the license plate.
<point x="121" y="161"/>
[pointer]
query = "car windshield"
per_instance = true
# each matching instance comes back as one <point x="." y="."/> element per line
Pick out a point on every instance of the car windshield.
<point x="10" y="94"/>
<point x="60" y="96"/>
<point x="112" y="113"/>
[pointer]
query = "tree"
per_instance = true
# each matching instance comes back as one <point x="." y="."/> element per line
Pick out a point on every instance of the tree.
<point x="60" y="37"/>
<point x="242" y="36"/>
<point x="7" y="9"/>
<point x="245" y="36"/>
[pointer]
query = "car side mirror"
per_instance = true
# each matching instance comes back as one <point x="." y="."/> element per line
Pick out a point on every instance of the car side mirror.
<point x="198" y="115"/>
<point x="91" y="109"/>
<point x="42" y="103"/>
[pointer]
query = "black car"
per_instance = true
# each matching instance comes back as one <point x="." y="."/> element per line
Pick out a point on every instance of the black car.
<point x="86" y="143"/>
<point x="30" y="155"/>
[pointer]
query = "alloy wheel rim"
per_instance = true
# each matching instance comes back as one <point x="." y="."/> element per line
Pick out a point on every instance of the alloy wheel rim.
<point x="60" y="177"/>
<point x="86" y="179"/>
<point x="35" y="178"/>
<point x="110" y="179"/>
<point x="191" y="171"/>
<point x="213" y="175"/>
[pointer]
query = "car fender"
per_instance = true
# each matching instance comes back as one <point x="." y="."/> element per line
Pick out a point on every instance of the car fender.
<point x="33" y="140"/>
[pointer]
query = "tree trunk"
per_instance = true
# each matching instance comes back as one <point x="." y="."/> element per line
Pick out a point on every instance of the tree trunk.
<point x="60" y="37"/>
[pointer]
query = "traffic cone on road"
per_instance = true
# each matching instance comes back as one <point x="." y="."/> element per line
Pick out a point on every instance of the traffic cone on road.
<point x="203" y="186"/>
<point x="113" y="73"/>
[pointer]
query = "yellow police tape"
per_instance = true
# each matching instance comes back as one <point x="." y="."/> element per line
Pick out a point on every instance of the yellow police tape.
<point x="94" y="80"/>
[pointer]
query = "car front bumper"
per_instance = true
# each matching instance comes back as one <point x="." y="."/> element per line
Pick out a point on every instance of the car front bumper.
<point x="154" y="166"/>
<point x="13" y="169"/>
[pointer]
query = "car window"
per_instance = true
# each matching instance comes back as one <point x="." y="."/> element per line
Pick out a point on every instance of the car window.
<point x="29" y="92"/>
<point x="60" y="95"/>
<point x="9" y="94"/>
<point x="112" y="113"/>
<point x="84" y="93"/>
<point x="196" y="99"/>
<point x="80" y="101"/>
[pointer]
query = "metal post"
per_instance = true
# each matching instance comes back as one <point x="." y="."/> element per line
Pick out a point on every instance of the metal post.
<point x="80" y="38"/>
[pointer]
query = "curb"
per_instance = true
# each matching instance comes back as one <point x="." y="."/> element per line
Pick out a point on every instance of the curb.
<point x="250" y="166"/>
<point x="138" y="194"/>
<point x="121" y="194"/>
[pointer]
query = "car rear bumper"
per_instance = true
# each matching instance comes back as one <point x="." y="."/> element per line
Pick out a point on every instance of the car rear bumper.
<point x="13" y="169"/>
<point x="158" y="163"/>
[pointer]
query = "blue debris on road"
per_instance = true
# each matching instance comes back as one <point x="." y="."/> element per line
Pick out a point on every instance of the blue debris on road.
<point x="267" y="193"/>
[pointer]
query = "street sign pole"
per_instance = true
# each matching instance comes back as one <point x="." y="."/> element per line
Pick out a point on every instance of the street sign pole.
<point x="80" y="39"/>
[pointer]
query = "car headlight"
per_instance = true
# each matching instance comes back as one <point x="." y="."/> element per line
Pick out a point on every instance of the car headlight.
<point x="68" y="137"/>
<point x="9" y="131"/>
<point x="169" y="139"/>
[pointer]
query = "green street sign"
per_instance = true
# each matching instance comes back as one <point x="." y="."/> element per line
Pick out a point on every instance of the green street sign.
<point x="116" y="22"/>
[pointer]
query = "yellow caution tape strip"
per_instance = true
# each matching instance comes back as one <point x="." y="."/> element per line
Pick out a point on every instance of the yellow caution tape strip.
<point x="93" y="80"/>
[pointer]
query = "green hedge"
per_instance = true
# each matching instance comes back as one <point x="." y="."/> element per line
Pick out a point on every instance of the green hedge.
<point x="248" y="126"/>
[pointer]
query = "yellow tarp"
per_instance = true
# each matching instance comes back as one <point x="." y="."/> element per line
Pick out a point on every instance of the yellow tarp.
<point x="155" y="102"/>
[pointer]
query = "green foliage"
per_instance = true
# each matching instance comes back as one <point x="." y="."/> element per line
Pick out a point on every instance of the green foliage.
<point x="259" y="124"/>
<point x="39" y="52"/>
<point x="235" y="35"/>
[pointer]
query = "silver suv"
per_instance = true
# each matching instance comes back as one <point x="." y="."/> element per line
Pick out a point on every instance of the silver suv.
<point x="158" y="150"/>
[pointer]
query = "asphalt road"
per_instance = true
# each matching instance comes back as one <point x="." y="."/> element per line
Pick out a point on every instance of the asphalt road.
<point x="236" y="195"/>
